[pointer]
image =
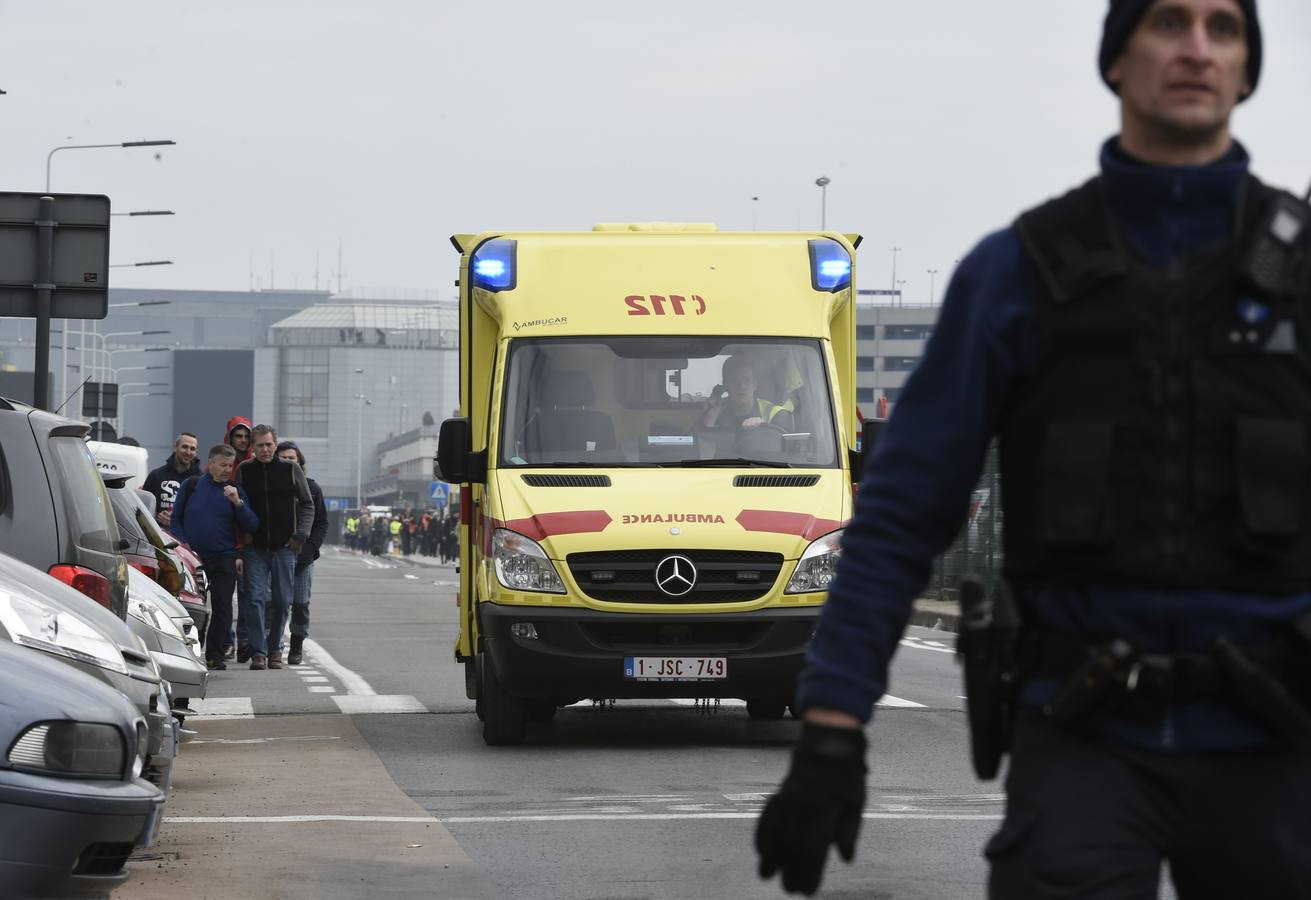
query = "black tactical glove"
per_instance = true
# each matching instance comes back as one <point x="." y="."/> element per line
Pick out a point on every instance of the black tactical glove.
<point x="820" y="803"/>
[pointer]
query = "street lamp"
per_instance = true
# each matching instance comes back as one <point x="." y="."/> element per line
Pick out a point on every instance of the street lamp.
<point x="359" y="443"/>
<point x="124" y="144"/>
<point x="823" y="183"/>
<point x="931" y="272"/>
<point x="895" y="251"/>
<point x="901" y="291"/>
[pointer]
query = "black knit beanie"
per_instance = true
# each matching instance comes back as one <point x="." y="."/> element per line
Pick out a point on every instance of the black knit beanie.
<point x="1123" y="17"/>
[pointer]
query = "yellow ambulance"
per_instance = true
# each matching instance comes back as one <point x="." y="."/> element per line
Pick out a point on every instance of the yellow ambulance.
<point x="655" y="447"/>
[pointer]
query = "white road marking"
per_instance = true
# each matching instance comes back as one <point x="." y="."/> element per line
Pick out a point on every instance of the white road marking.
<point x="362" y="704"/>
<point x="412" y="577"/>
<point x="922" y="644"/>
<point x="268" y="740"/>
<point x="692" y="701"/>
<point x="322" y="689"/>
<point x="889" y="700"/>
<point x="222" y="708"/>
<point x="315" y="679"/>
<point x="562" y="817"/>
<point x="353" y="683"/>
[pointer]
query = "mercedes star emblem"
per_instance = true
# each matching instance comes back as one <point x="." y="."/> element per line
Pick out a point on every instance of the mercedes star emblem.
<point x="675" y="575"/>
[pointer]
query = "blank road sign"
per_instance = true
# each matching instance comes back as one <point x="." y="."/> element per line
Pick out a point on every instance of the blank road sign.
<point x="80" y="255"/>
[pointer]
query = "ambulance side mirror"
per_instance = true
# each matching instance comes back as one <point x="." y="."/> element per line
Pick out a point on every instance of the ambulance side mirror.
<point x="869" y="436"/>
<point x="456" y="462"/>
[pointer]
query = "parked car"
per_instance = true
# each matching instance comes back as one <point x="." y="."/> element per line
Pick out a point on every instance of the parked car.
<point x="182" y="666"/>
<point x="54" y="511"/>
<point x="41" y="613"/>
<point x="120" y="459"/>
<point x="72" y="803"/>
<point x="150" y="550"/>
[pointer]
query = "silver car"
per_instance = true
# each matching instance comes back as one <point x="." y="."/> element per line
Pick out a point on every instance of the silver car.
<point x="154" y="615"/>
<point x="72" y="802"/>
<point x="40" y="612"/>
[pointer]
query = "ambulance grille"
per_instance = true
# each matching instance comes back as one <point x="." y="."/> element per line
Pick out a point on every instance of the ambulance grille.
<point x="775" y="480"/>
<point x="567" y="480"/>
<point x="628" y="576"/>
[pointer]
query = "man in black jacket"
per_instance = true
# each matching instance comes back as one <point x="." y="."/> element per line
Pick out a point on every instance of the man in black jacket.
<point x="164" y="482"/>
<point x="280" y="496"/>
<point x="304" y="572"/>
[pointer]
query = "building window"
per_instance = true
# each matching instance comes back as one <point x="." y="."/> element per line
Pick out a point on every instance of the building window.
<point x="864" y="364"/>
<point x="864" y="395"/>
<point x="898" y="363"/>
<point x="303" y="392"/>
<point x="864" y="332"/>
<point x="907" y="332"/>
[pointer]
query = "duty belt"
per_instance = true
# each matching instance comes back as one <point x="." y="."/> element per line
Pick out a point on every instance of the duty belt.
<point x="1269" y="683"/>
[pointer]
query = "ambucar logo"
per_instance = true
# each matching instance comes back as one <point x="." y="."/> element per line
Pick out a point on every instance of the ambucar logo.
<point x="675" y="575"/>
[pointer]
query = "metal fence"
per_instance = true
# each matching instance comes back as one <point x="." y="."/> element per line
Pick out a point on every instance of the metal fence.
<point x="977" y="549"/>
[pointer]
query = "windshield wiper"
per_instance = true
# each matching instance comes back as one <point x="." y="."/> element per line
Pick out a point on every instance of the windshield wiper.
<point x="738" y="461"/>
<point x="574" y="464"/>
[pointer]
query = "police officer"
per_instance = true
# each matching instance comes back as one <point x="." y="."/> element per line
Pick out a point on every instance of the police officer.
<point x="1141" y="349"/>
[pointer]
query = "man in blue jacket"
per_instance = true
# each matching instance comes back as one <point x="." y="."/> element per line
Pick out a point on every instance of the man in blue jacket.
<point x="208" y="514"/>
<point x="1140" y="348"/>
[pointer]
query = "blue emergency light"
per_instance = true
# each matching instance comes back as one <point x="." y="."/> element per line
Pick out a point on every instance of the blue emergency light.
<point x="830" y="265"/>
<point x="493" y="265"/>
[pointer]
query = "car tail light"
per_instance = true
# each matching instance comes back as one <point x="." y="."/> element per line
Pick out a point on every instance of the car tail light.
<point x="151" y="572"/>
<point x="89" y="582"/>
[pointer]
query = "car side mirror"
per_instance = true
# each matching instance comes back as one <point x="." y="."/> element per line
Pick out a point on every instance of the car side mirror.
<point x="869" y="437"/>
<point x="456" y="462"/>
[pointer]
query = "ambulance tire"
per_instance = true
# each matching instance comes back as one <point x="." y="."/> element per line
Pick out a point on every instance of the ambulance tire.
<point x="767" y="709"/>
<point x="540" y="710"/>
<point x="504" y="716"/>
<point x="473" y="688"/>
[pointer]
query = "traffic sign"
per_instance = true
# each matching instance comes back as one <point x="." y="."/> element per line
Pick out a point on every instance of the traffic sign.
<point x="100" y="399"/>
<point x="77" y="257"/>
<point x="439" y="492"/>
<point x="331" y="503"/>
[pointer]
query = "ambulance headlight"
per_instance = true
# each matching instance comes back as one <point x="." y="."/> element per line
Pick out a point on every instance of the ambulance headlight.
<point x="493" y="265"/>
<point x="817" y="566"/>
<point x="521" y="564"/>
<point x="830" y="265"/>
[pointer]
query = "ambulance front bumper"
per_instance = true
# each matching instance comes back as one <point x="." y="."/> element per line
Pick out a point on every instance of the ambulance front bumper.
<point x="583" y="654"/>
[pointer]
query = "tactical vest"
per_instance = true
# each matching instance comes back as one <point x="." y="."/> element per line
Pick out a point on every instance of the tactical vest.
<point x="1164" y="437"/>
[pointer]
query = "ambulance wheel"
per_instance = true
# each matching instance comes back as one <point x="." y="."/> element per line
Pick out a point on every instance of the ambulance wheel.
<point x="767" y="709"/>
<point x="503" y="716"/>
<point x="473" y="684"/>
<point x="540" y="710"/>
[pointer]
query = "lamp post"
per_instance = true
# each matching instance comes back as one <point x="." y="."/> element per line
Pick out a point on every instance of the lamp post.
<point x="895" y="251"/>
<point x="901" y="291"/>
<point x="931" y="272"/>
<point x="49" y="158"/>
<point x="122" y="407"/>
<point x="823" y="182"/>
<point x="359" y="442"/>
<point x="124" y="144"/>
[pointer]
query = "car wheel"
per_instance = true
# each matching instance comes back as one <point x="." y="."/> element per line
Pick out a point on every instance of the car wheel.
<point x="503" y="715"/>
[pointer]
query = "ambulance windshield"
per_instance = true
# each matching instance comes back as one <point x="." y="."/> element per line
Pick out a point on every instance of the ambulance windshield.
<point x="667" y="401"/>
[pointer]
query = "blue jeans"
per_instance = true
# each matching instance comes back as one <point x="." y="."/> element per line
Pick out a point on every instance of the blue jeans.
<point x="300" y="604"/>
<point x="268" y="579"/>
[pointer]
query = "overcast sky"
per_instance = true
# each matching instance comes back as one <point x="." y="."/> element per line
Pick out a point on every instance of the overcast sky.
<point x="388" y="126"/>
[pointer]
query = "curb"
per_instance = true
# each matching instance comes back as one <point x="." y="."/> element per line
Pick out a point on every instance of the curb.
<point x="931" y="618"/>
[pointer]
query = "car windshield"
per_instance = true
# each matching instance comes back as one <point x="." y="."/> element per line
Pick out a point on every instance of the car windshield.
<point x="91" y="518"/>
<point x="667" y="401"/>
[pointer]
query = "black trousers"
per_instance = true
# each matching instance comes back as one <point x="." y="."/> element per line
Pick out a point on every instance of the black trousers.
<point x="222" y="572"/>
<point x="1092" y="818"/>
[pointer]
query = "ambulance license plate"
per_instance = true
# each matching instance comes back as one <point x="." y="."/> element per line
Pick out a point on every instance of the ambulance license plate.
<point x="675" y="668"/>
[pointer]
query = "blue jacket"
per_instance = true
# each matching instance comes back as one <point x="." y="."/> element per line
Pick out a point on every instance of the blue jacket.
<point x="207" y="521"/>
<point x="915" y="493"/>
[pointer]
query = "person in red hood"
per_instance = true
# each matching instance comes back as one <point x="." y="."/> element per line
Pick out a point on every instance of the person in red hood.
<point x="238" y="438"/>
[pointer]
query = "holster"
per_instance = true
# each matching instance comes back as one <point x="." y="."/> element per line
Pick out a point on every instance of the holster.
<point x="986" y="647"/>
